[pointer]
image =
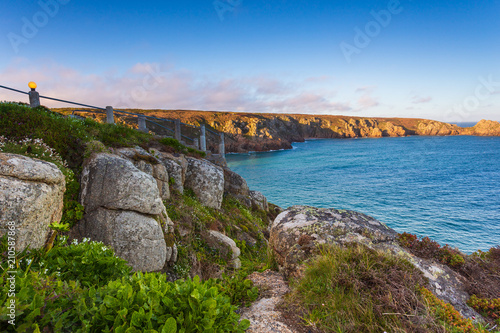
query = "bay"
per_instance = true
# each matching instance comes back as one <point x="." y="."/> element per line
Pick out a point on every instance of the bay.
<point x="446" y="188"/>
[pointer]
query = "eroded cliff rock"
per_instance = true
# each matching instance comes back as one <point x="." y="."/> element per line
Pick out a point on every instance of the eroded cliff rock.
<point x="31" y="197"/>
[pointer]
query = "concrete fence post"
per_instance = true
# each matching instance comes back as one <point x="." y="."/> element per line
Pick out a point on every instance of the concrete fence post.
<point x="110" y="117"/>
<point x="142" y="123"/>
<point x="196" y="143"/>
<point x="203" y="138"/>
<point x="34" y="95"/>
<point x="178" y="130"/>
<point x="222" y="148"/>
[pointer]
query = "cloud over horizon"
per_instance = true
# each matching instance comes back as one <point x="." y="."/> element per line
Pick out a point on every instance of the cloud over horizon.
<point x="162" y="86"/>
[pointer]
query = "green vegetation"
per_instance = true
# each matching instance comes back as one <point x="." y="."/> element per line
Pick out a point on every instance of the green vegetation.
<point x="233" y="219"/>
<point x="481" y="271"/>
<point x="176" y="145"/>
<point x="84" y="287"/>
<point x="356" y="289"/>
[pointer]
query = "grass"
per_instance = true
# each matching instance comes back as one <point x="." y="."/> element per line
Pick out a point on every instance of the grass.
<point x="356" y="289"/>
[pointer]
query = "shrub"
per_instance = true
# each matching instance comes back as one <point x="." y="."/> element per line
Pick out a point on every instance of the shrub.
<point x="356" y="289"/>
<point x="90" y="263"/>
<point x="486" y="307"/>
<point x="447" y="314"/>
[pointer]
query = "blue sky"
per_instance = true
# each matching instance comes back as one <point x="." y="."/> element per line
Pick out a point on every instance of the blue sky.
<point x="426" y="59"/>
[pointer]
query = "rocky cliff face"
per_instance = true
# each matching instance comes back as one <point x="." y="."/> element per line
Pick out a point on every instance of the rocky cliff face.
<point x="261" y="132"/>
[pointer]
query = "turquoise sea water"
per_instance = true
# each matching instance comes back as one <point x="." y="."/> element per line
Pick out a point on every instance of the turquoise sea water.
<point x="447" y="188"/>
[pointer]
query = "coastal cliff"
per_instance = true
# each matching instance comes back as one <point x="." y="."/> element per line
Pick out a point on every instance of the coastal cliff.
<point x="262" y="132"/>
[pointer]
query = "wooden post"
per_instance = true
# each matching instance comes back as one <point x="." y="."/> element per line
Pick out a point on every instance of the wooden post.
<point x="34" y="98"/>
<point x="110" y="115"/>
<point x="142" y="123"/>
<point x="222" y="148"/>
<point x="203" y="138"/>
<point x="177" y="130"/>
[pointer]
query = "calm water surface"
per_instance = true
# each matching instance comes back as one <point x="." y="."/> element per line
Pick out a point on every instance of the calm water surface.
<point x="447" y="188"/>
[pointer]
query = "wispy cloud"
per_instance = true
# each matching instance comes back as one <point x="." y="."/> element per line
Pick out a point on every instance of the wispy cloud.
<point x="421" y="100"/>
<point x="150" y="86"/>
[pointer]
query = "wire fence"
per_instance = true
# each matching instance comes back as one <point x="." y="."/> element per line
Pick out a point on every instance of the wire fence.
<point x="190" y="135"/>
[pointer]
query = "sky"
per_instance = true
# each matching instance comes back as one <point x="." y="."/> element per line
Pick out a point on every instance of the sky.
<point x="408" y="58"/>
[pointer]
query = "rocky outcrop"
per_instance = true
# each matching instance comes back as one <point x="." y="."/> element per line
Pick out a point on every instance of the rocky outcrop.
<point x="297" y="232"/>
<point x="226" y="246"/>
<point x="259" y="200"/>
<point x="207" y="182"/>
<point x="235" y="184"/>
<point x="31" y="197"/>
<point x="484" y="128"/>
<point x="123" y="209"/>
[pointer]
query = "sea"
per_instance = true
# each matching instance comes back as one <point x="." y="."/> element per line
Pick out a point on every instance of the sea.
<point x="447" y="188"/>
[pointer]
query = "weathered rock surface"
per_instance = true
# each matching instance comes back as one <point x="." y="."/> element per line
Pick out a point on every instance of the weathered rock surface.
<point x="297" y="232"/>
<point x="113" y="182"/>
<point x="150" y="164"/>
<point x="235" y="184"/>
<point x="259" y="200"/>
<point x="31" y="197"/>
<point x="225" y="245"/>
<point x="176" y="168"/>
<point x="124" y="209"/>
<point x="135" y="237"/>
<point x="207" y="182"/>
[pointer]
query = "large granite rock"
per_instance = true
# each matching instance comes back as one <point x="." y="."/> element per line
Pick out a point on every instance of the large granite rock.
<point x="113" y="182"/>
<point x="207" y="182"/>
<point x="298" y="231"/>
<point x="235" y="184"/>
<point x="31" y="197"/>
<point x="124" y="209"/>
<point x="135" y="237"/>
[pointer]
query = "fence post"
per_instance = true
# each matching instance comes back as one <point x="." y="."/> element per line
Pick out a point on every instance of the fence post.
<point x="177" y="130"/>
<point x="222" y="148"/>
<point x="110" y="115"/>
<point x="203" y="138"/>
<point x="196" y="143"/>
<point x="34" y="95"/>
<point x="142" y="123"/>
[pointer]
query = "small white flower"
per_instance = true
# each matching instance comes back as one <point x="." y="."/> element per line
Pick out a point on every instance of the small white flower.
<point x="46" y="270"/>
